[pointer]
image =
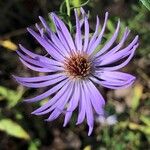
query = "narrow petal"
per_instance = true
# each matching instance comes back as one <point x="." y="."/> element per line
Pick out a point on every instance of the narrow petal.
<point x="45" y="25"/>
<point x="78" y="35"/>
<point x="43" y="109"/>
<point x="38" y="79"/>
<point x="116" y="48"/>
<point x="41" y="30"/>
<point x="72" y="104"/>
<point x="89" y="111"/>
<point x="51" y="50"/>
<point x="64" y="30"/>
<point x="125" y="62"/>
<point x="43" y="84"/>
<point x="53" y="37"/>
<point x="39" y="63"/>
<point x="96" y="98"/>
<point x="116" y="56"/>
<point x="98" y="40"/>
<point x="82" y="106"/>
<point x="47" y="93"/>
<point x="113" y="79"/>
<point x="110" y="42"/>
<point x="94" y="35"/>
<point x="59" y="45"/>
<point x="38" y="69"/>
<point x="55" y="103"/>
<point x="86" y="35"/>
<point x="60" y="34"/>
<point x="40" y="57"/>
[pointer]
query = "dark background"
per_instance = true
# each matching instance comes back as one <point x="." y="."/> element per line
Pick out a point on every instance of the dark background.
<point x="130" y="105"/>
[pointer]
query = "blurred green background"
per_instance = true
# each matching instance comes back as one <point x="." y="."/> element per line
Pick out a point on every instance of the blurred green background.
<point x="127" y="125"/>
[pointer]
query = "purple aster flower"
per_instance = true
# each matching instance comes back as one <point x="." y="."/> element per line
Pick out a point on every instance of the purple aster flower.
<point x="73" y="68"/>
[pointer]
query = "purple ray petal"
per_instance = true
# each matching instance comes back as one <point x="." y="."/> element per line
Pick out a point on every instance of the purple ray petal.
<point x="72" y="104"/>
<point x="96" y="98"/>
<point x="123" y="80"/>
<point x="78" y="36"/>
<point x="61" y="35"/>
<point x="86" y="35"/>
<point x="89" y="111"/>
<point x="125" y="62"/>
<point x="94" y="35"/>
<point x="51" y="50"/>
<point x="118" y="55"/>
<point x="109" y="86"/>
<point x="114" y="76"/>
<point x="40" y="57"/>
<point x="38" y="63"/>
<point x="49" y="31"/>
<point x="98" y="40"/>
<point x="110" y="42"/>
<point x="53" y="37"/>
<point x="43" y="84"/>
<point x="47" y="93"/>
<point x="55" y="103"/>
<point x="116" y="48"/>
<point x="59" y="45"/>
<point x="41" y="30"/>
<point x="60" y="93"/>
<point x="39" y="78"/>
<point x="64" y="30"/>
<point x="38" y="69"/>
<point x="82" y="106"/>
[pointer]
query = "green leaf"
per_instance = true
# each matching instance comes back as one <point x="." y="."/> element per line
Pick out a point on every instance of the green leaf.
<point x="34" y="144"/>
<point x="142" y="128"/>
<point x="79" y="3"/>
<point x="13" y="129"/>
<point x="87" y="148"/>
<point x="11" y="96"/>
<point x="145" y="120"/>
<point x="76" y="3"/>
<point x="146" y="3"/>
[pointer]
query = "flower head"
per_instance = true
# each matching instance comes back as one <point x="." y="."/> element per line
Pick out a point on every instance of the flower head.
<point x="73" y="69"/>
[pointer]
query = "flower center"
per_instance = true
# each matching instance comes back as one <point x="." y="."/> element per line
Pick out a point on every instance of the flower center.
<point x="78" y="66"/>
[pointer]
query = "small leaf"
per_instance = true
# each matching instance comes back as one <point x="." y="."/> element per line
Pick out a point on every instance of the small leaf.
<point x="146" y="3"/>
<point x="11" y="96"/>
<point x="142" y="128"/>
<point x="34" y="145"/>
<point x="76" y="3"/>
<point x="8" y="44"/>
<point x="145" y="120"/>
<point x="13" y="129"/>
<point x="87" y="147"/>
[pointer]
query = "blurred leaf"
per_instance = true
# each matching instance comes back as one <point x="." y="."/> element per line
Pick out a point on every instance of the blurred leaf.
<point x="146" y="3"/>
<point x="11" y="96"/>
<point x="145" y="120"/>
<point x="13" y="129"/>
<point x="87" y="147"/>
<point x="144" y="129"/>
<point x="137" y="94"/>
<point x="79" y="3"/>
<point x="76" y="3"/>
<point x="8" y="44"/>
<point x="34" y="145"/>
<point x="110" y="26"/>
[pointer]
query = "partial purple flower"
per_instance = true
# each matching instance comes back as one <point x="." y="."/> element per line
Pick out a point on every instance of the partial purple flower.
<point x="73" y="69"/>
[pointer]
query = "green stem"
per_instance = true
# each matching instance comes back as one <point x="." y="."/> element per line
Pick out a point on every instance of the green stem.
<point x="68" y="7"/>
<point x="68" y="12"/>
